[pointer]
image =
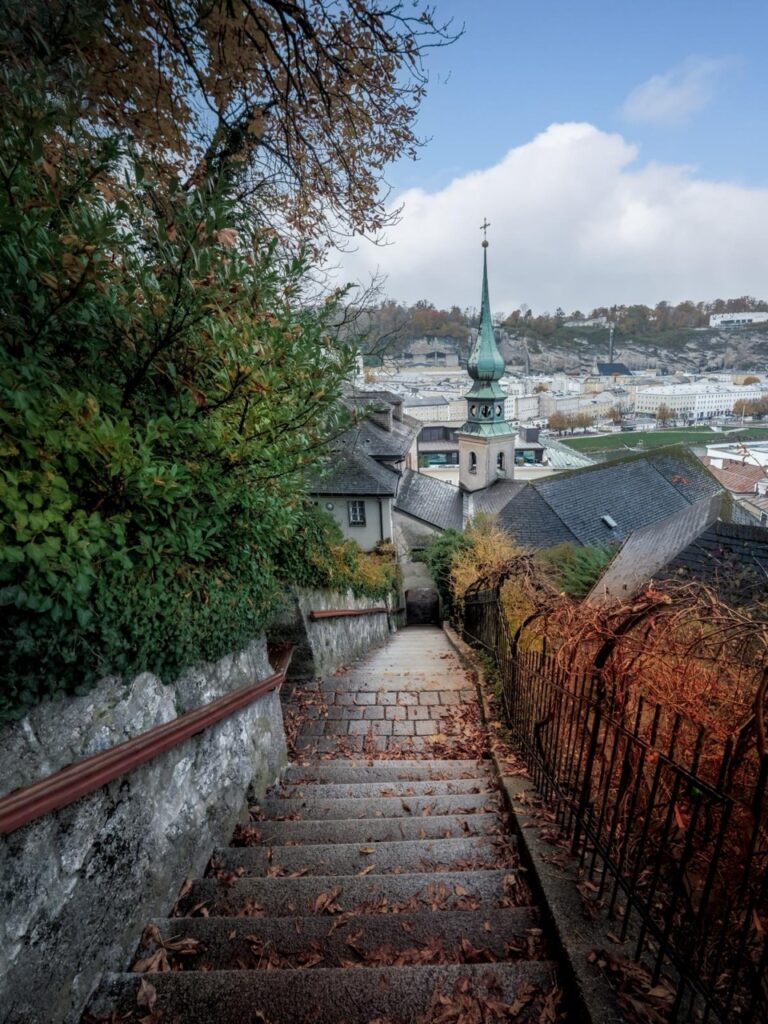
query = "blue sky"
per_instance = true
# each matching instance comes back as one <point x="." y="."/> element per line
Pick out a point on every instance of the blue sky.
<point x="522" y="65"/>
<point x="619" y="150"/>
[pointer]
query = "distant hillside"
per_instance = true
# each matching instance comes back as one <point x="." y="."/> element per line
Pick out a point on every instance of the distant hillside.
<point x="674" y="337"/>
<point x="687" y="350"/>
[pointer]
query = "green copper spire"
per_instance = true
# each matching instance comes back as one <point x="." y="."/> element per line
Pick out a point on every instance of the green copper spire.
<point x="485" y="402"/>
<point x="485" y="362"/>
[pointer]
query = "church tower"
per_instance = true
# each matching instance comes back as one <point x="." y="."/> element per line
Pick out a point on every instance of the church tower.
<point x="486" y="441"/>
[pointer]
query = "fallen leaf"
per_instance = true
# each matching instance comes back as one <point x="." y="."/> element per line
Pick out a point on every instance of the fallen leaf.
<point x="326" y="901"/>
<point x="146" y="995"/>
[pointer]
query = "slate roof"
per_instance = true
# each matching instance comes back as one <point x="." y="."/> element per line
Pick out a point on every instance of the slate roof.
<point x="371" y="439"/>
<point x="360" y="397"/>
<point x="533" y="522"/>
<point x="432" y="501"/>
<point x="560" y="456"/>
<point x="731" y="557"/>
<point x="431" y="400"/>
<point x="352" y="472"/>
<point x="494" y="498"/>
<point x="634" y="491"/>
<point x="713" y="540"/>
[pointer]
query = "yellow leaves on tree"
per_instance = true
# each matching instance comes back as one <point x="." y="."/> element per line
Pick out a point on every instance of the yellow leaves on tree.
<point x="491" y="548"/>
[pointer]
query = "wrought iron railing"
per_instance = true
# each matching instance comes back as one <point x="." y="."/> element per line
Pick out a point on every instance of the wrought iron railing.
<point x="672" y="836"/>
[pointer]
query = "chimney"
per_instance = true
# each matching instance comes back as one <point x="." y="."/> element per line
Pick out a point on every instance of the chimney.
<point x="382" y="416"/>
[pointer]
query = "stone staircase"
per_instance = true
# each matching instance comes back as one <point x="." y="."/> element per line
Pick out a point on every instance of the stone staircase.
<point x="361" y="892"/>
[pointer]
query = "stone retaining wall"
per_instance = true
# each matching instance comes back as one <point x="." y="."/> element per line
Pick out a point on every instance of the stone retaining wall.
<point x="78" y="886"/>
<point x="325" y="645"/>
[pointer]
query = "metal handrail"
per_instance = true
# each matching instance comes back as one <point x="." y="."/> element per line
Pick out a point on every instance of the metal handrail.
<point x="342" y="613"/>
<point x="76" y="780"/>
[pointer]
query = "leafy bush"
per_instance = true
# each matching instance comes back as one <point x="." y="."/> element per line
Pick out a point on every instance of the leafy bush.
<point x="163" y="393"/>
<point x="439" y="555"/>
<point x="574" y="569"/>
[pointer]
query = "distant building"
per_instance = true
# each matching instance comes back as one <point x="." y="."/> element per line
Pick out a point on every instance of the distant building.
<point x="697" y="401"/>
<point x="438" y="445"/>
<point x="444" y="407"/>
<point x="360" y="479"/>
<point x="612" y="370"/>
<point x="743" y="469"/>
<point x="596" y="321"/>
<point x="431" y="352"/>
<point x="737" y="319"/>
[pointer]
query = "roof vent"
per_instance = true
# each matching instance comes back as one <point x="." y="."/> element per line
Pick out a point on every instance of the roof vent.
<point x="609" y="521"/>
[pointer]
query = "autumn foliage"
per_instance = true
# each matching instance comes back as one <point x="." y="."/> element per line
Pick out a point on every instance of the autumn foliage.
<point x="303" y="103"/>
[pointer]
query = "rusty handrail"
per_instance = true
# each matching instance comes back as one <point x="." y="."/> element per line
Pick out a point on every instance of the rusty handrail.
<point x="341" y="613"/>
<point x="63" y="787"/>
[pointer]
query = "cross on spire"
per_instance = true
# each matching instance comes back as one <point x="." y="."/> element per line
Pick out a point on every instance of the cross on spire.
<point x="484" y="228"/>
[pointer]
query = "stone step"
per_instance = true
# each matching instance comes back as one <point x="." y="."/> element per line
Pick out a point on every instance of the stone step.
<point x="342" y="790"/>
<point x="359" y="894"/>
<point x="365" y="940"/>
<point x="404" y="682"/>
<point x="366" y="830"/>
<point x="346" y="770"/>
<point x="399" y="995"/>
<point x="378" y="858"/>
<point x="379" y="807"/>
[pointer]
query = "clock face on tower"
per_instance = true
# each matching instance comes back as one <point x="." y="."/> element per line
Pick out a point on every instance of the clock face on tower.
<point x="487" y="410"/>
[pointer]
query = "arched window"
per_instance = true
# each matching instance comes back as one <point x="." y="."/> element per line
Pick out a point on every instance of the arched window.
<point x="472" y="462"/>
<point x="500" y="461"/>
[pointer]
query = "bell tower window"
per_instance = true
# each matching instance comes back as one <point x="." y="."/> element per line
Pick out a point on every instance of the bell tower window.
<point x="500" y="461"/>
<point x="472" y="462"/>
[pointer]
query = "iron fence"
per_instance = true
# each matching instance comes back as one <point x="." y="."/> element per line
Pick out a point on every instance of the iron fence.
<point x="672" y="833"/>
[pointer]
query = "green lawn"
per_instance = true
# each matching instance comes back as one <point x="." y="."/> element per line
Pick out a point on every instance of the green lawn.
<point x="657" y="438"/>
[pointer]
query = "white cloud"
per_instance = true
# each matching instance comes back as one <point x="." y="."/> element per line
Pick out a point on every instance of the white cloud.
<point x="673" y="97"/>
<point x="575" y="222"/>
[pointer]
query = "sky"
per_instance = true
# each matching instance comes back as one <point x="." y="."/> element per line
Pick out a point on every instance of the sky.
<point x="619" y="151"/>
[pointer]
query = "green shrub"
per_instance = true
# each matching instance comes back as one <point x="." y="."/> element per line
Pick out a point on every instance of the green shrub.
<point x="439" y="555"/>
<point x="575" y="569"/>
<point x="164" y="393"/>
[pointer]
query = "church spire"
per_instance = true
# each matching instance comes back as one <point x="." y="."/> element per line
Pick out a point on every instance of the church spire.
<point x="486" y="440"/>
<point x="485" y="361"/>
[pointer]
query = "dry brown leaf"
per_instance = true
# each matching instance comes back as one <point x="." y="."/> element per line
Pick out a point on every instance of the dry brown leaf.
<point x="226" y="237"/>
<point x="146" y="995"/>
<point x="326" y="901"/>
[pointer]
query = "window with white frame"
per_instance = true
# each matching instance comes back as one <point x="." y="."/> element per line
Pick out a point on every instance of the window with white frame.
<point x="356" y="510"/>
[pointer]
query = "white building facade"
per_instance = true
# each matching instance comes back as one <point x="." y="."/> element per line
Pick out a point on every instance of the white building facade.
<point x="719" y="320"/>
<point x="696" y="401"/>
